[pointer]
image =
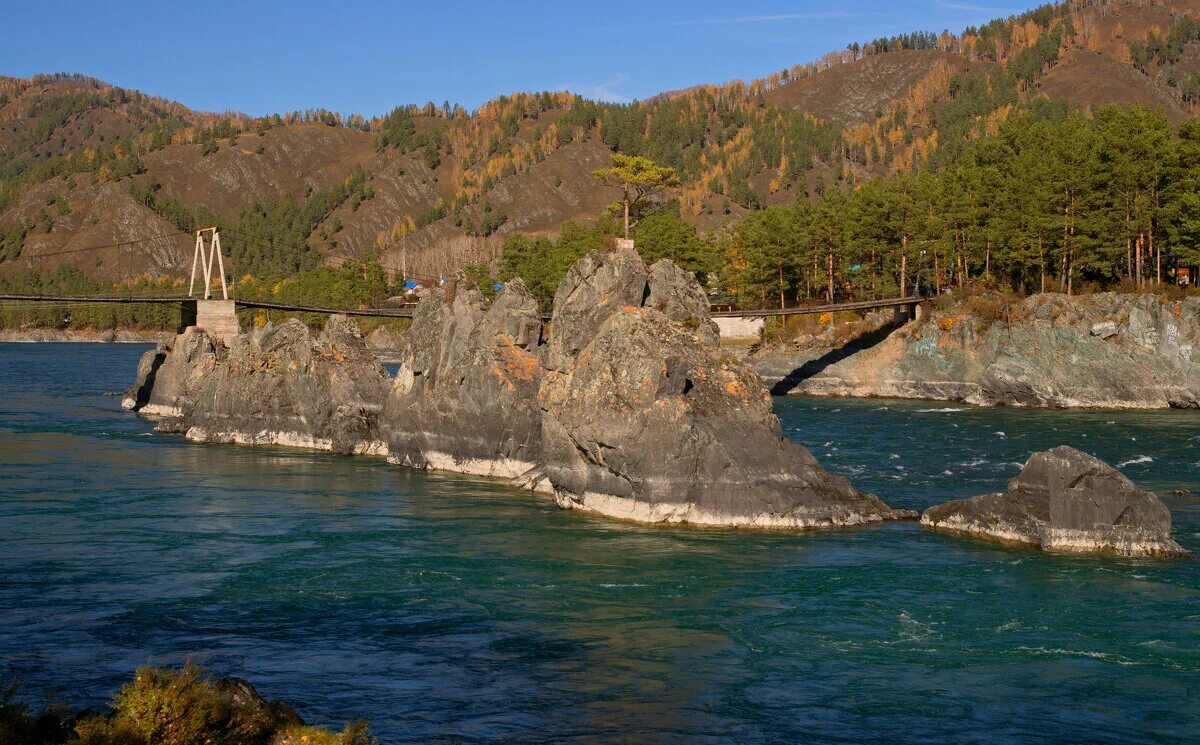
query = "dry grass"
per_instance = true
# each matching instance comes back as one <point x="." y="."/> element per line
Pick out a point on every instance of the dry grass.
<point x="170" y="707"/>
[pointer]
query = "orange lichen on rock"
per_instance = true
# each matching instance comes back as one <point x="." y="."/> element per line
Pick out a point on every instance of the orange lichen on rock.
<point x="947" y="323"/>
<point x="735" y="386"/>
<point x="503" y="378"/>
<point x="517" y="361"/>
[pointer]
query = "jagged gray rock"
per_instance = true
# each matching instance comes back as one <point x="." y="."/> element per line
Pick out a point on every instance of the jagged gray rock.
<point x="676" y="294"/>
<point x="280" y="385"/>
<point x="387" y="344"/>
<point x="594" y="288"/>
<point x="1065" y="501"/>
<point x="629" y="409"/>
<point x="465" y="397"/>
<point x="1108" y="350"/>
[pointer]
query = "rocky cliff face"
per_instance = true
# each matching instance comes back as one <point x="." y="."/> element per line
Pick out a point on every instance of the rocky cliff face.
<point x="464" y="398"/>
<point x="628" y="409"/>
<point x="1106" y="351"/>
<point x="1065" y="501"/>
<point x="277" y="385"/>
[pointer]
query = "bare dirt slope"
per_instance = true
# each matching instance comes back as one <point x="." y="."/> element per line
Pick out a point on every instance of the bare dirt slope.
<point x="537" y="201"/>
<point x="98" y="214"/>
<point x="292" y="159"/>
<point x="853" y="93"/>
<point x="1093" y="79"/>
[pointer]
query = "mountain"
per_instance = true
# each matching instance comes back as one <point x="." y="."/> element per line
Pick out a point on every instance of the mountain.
<point x="84" y="164"/>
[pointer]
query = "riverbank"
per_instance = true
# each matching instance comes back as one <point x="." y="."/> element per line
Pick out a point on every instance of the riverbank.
<point x="1105" y="351"/>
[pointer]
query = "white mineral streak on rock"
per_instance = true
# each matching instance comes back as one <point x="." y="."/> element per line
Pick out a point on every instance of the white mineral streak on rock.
<point x="686" y="513"/>
<point x="503" y="468"/>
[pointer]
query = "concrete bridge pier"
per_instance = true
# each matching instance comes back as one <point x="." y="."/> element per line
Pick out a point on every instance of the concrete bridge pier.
<point x="741" y="330"/>
<point x="217" y="317"/>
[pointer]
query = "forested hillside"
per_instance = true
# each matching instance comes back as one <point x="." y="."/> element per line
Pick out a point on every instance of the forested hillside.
<point x="1056" y="146"/>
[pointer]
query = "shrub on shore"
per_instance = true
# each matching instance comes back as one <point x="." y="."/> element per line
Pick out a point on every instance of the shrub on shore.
<point x="162" y="706"/>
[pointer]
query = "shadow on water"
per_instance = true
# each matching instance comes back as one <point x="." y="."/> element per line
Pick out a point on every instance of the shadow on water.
<point x="862" y="342"/>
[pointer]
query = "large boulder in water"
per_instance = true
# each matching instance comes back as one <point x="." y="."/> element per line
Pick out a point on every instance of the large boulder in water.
<point x="629" y="409"/>
<point x="1065" y="501"/>
<point x="277" y="385"/>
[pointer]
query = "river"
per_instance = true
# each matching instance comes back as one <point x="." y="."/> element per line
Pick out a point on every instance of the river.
<point x="443" y="607"/>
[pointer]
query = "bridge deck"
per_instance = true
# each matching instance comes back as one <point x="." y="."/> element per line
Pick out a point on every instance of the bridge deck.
<point x="804" y="310"/>
<point x="408" y="312"/>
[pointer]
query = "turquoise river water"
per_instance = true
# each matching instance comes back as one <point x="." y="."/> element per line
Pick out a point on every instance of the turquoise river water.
<point x="445" y="608"/>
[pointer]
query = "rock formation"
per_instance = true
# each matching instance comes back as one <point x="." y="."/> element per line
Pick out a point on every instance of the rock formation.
<point x="1107" y="350"/>
<point x="385" y="343"/>
<point x="628" y="409"/>
<point x="465" y="397"/>
<point x="1065" y="501"/>
<point x="276" y="385"/>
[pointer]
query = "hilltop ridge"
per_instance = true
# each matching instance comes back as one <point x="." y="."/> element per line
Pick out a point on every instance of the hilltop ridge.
<point x="431" y="188"/>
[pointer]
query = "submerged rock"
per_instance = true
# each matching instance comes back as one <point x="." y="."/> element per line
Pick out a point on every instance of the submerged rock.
<point x="1065" y="501"/>
<point x="280" y="385"/>
<point x="629" y="409"/>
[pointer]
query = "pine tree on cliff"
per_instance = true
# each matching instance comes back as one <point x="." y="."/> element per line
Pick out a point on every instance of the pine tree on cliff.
<point x="638" y="178"/>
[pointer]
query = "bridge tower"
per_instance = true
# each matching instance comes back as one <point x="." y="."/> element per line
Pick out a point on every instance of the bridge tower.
<point x="203" y="259"/>
<point x="217" y="317"/>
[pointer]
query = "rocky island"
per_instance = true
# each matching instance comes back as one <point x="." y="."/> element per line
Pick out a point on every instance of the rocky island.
<point x="1065" y="501"/>
<point x="626" y="408"/>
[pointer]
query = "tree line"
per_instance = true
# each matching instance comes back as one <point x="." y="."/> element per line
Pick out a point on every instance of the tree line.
<point x="1051" y="199"/>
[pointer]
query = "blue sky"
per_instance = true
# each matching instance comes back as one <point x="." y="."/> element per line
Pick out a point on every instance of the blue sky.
<point x="367" y="57"/>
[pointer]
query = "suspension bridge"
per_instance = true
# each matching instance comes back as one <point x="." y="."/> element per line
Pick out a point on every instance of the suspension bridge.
<point x="202" y="309"/>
